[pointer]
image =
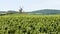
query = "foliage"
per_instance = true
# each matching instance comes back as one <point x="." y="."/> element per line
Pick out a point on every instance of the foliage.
<point x="30" y="24"/>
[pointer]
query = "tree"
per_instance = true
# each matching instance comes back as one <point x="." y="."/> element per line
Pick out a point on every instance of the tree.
<point x="20" y="10"/>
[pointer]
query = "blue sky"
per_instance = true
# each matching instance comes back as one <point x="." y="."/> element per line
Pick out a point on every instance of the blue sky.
<point x="29" y="5"/>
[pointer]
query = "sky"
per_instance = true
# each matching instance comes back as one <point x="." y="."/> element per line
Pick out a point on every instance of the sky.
<point x="29" y="5"/>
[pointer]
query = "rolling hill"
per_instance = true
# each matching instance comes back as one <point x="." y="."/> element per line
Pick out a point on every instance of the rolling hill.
<point x="46" y="11"/>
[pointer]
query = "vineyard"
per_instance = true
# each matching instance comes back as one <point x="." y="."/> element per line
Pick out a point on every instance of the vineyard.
<point x="30" y="24"/>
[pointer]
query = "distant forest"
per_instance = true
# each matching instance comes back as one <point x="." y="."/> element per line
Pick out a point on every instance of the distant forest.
<point x="44" y="11"/>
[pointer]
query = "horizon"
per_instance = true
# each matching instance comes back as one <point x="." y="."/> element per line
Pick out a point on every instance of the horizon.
<point x="30" y="11"/>
<point x="29" y="5"/>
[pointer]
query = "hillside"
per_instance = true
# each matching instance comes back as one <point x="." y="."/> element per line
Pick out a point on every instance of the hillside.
<point x="8" y="12"/>
<point x="2" y="12"/>
<point x="46" y="11"/>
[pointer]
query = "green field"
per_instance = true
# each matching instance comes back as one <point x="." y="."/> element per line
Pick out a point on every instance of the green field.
<point x="29" y="24"/>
